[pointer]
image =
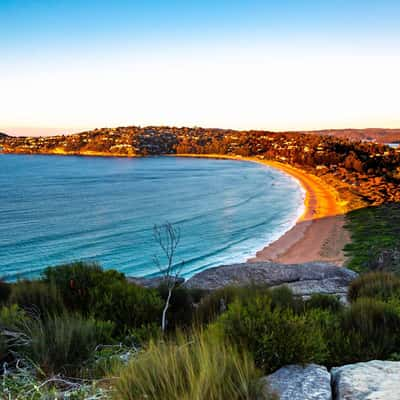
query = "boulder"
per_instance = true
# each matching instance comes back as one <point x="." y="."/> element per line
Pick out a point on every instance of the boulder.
<point x="373" y="380"/>
<point x="304" y="279"/>
<point x="296" y="382"/>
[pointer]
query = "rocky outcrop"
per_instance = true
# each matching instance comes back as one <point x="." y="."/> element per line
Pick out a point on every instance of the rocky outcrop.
<point x="377" y="380"/>
<point x="304" y="279"/>
<point x="151" y="283"/>
<point x="373" y="380"/>
<point x="295" y="382"/>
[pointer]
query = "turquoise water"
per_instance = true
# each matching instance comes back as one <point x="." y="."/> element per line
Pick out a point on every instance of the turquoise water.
<point x="56" y="209"/>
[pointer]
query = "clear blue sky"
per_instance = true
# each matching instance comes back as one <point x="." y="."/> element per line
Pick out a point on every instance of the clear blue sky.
<point x="63" y="52"/>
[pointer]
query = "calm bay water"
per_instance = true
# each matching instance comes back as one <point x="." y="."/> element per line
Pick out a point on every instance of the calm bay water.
<point x="57" y="209"/>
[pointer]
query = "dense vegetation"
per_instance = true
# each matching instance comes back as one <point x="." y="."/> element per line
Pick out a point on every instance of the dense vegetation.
<point x="375" y="238"/>
<point x="88" y="332"/>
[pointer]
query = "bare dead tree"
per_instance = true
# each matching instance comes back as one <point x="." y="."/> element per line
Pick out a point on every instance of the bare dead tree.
<point x="168" y="238"/>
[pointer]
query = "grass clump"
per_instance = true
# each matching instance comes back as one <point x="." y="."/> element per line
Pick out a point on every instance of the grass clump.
<point x="378" y="285"/>
<point x="61" y="343"/>
<point x="201" y="367"/>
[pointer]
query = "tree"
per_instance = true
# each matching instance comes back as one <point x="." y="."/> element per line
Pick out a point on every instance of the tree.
<point x="168" y="237"/>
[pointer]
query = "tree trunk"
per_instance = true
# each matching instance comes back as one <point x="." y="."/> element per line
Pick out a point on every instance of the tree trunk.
<point x="164" y="314"/>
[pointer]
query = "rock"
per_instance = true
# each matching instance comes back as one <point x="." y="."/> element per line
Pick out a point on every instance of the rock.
<point x="373" y="380"/>
<point x="295" y="382"/>
<point x="151" y="283"/>
<point x="304" y="279"/>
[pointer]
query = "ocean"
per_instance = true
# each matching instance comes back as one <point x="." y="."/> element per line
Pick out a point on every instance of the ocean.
<point x="58" y="209"/>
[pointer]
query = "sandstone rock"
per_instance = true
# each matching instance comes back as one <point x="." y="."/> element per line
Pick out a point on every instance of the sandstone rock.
<point x="373" y="380"/>
<point x="150" y="283"/>
<point x="304" y="279"/>
<point x="295" y="382"/>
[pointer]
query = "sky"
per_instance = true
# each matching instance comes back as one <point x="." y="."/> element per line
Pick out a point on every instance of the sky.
<point x="67" y="66"/>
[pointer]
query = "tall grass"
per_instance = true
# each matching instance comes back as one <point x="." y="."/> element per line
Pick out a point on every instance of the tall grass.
<point x="202" y="367"/>
<point x="60" y="344"/>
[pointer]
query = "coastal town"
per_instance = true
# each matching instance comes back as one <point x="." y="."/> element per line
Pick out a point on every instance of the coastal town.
<point x="365" y="171"/>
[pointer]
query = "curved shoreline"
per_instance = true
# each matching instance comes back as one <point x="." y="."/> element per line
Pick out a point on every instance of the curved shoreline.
<point x="319" y="233"/>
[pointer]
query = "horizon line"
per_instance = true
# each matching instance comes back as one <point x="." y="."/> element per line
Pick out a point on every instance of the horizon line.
<point x="13" y="131"/>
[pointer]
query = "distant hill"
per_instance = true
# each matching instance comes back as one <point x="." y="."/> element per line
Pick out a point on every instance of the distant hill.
<point x="3" y="135"/>
<point x="379" y="135"/>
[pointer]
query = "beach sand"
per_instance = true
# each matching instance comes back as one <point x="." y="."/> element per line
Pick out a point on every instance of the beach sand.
<point x="319" y="234"/>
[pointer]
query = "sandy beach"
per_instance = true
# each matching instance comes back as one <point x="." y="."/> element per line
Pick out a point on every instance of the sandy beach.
<point x="319" y="234"/>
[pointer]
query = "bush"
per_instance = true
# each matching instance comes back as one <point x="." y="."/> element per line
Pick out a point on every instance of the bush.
<point x="38" y="298"/>
<point x="215" y="303"/>
<point x="275" y="336"/>
<point x="197" y="368"/>
<point x="378" y="285"/>
<point x="127" y="305"/>
<point x="324" y="302"/>
<point x="60" y="344"/>
<point x="283" y="297"/>
<point x="368" y="330"/>
<point x="106" y="295"/>
<point x="76" y="282"/>
<point x="5" y="291"/>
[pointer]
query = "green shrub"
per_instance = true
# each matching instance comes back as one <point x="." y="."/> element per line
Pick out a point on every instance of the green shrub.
<point x="37" y="297"/>
<point x="283" y="297"/>
<point x="216" y="302"/>
<point x="197" y="368"/>
<point x="126" y="304"/>
<point x="61" y="343"/>
<point x="5" y="291"/>
<point x="324" y="302"/>
<point x="275" y="336"/>
<point x="76" y="282"/>
<point x="141" y="336"/>
<point x="378" y="285"/>
<point x="106" y="295"/>
<point x="368" y="330"/>
<point x="181" y="309"/>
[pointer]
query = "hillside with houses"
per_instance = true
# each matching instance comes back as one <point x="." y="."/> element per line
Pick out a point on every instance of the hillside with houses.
<point x="368" y="170"/>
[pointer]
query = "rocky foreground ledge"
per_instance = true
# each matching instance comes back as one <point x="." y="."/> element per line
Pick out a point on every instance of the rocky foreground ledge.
<point x="373" y="380"/>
